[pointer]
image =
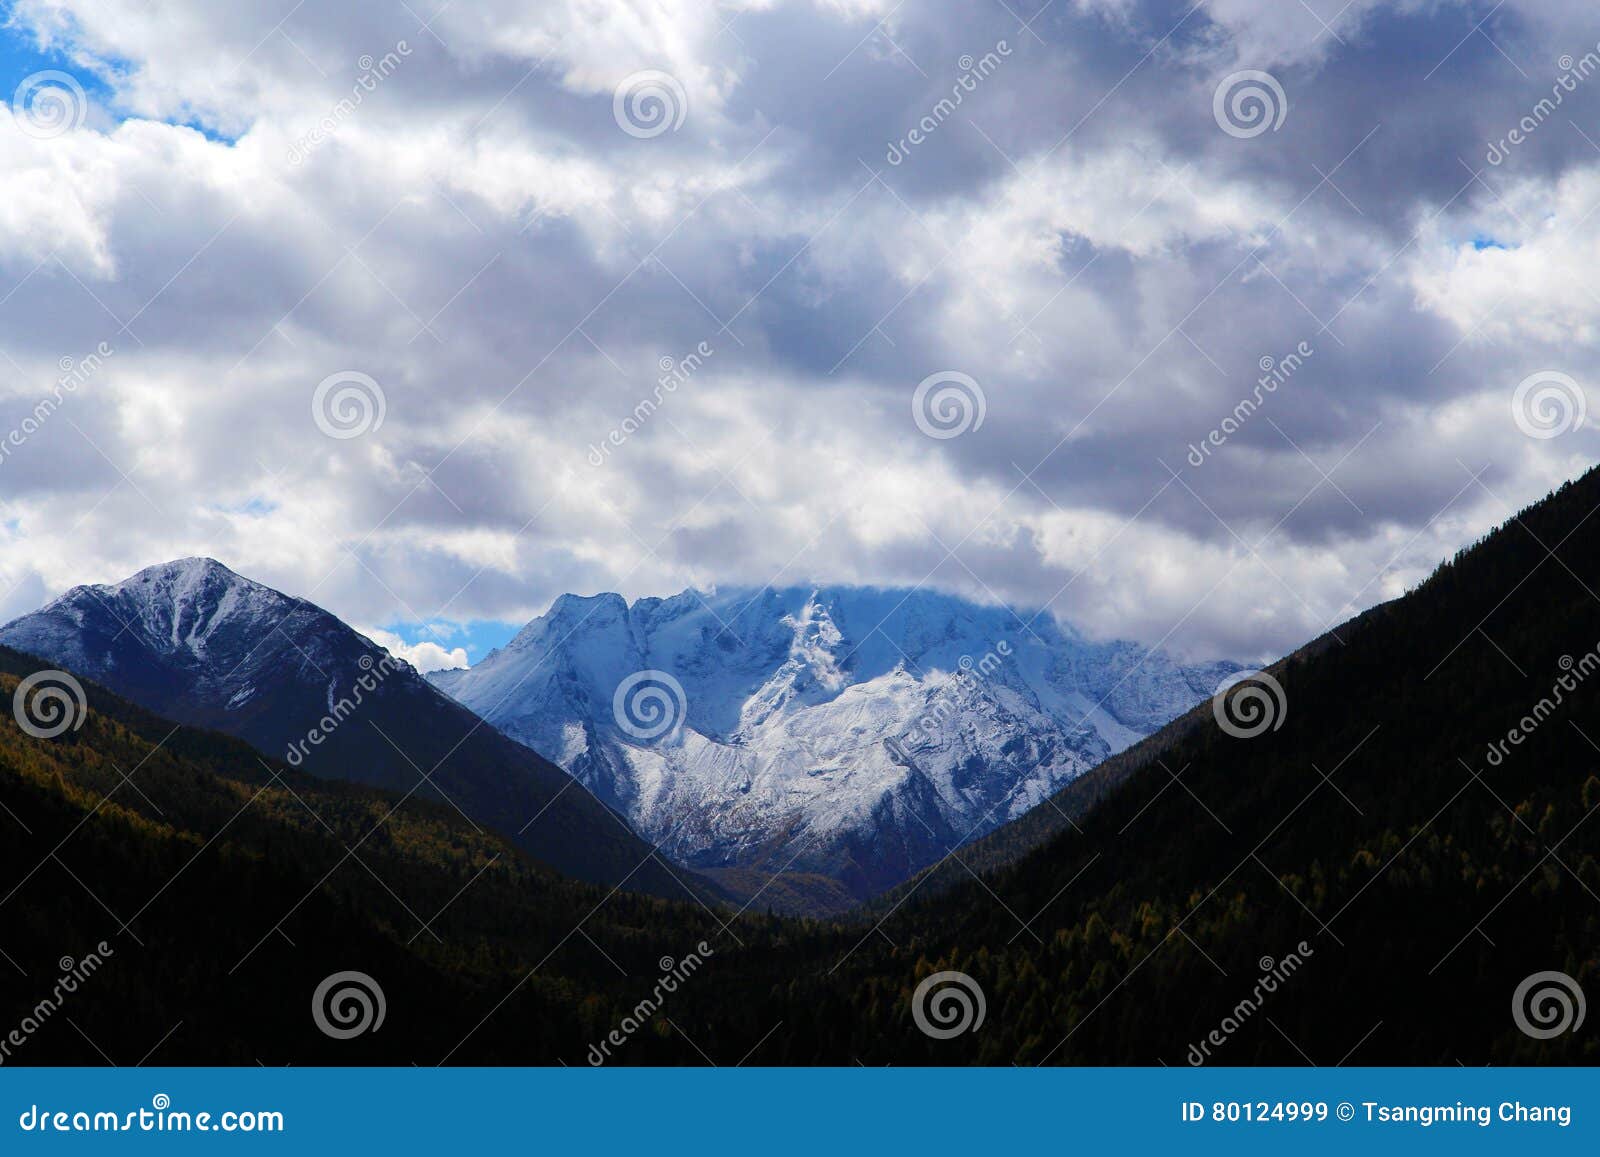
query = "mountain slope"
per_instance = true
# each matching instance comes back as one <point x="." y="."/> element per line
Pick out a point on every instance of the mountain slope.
<point x="856" y="734"/>
<point x="199" y="644"/>
<point x="1009" y="843"/>
<point x="1419" y="830"/>
<point x="1418" y="879"/>
<point x="225" y="889"/>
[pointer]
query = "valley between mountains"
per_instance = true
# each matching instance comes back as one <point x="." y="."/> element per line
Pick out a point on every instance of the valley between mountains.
<point x="843" y="735"/>
<point x="815" y="746"/>
<point x="1110" y="887"/>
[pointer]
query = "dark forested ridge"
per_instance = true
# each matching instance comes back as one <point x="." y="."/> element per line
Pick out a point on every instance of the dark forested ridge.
<point x="1425" y="873"/>
<point x="280" y="673"/>
<point x="1427" y="879"/>
<point x="227" y="888"/>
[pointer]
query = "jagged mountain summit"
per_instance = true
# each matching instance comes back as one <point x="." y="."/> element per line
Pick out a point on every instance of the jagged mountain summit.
<point x="854" y="733"/>
<point x="195" y="642"/>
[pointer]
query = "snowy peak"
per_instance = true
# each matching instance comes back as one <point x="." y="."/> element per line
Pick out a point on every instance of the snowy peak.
<point x="184" y="581"/>
<point x="199" y="644"/>
<point x="180" y="605"/>
<point x="856" y="732"/>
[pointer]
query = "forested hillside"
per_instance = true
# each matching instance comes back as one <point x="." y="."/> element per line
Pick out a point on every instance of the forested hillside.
<point x="1425" y="872"/>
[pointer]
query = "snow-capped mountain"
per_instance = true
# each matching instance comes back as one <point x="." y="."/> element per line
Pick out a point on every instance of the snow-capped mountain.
<point x="201" y="645"/>
<point x="856" y="733"/>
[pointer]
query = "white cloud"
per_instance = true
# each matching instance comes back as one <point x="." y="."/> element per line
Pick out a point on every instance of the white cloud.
<point x="425" y="655"/>
<point x="481" y="238"/>
<point x="1520" y="269"/>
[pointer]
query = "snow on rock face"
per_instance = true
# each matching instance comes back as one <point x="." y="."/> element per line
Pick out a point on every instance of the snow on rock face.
<point x="855" y="732"/>
<point x="195" y="614"/>
<point x="195" y="642"/>
<point x="202" y="645"/>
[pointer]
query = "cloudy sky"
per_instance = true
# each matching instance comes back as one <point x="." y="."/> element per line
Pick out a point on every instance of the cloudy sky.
<point x="374" y="301"/>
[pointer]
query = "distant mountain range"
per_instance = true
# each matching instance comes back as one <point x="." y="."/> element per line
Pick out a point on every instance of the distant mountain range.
<point x="811" y="747"/>
<point x="858" y="734"/>
<point x="195" y="642"/>
<point x="1413" y="827"/>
